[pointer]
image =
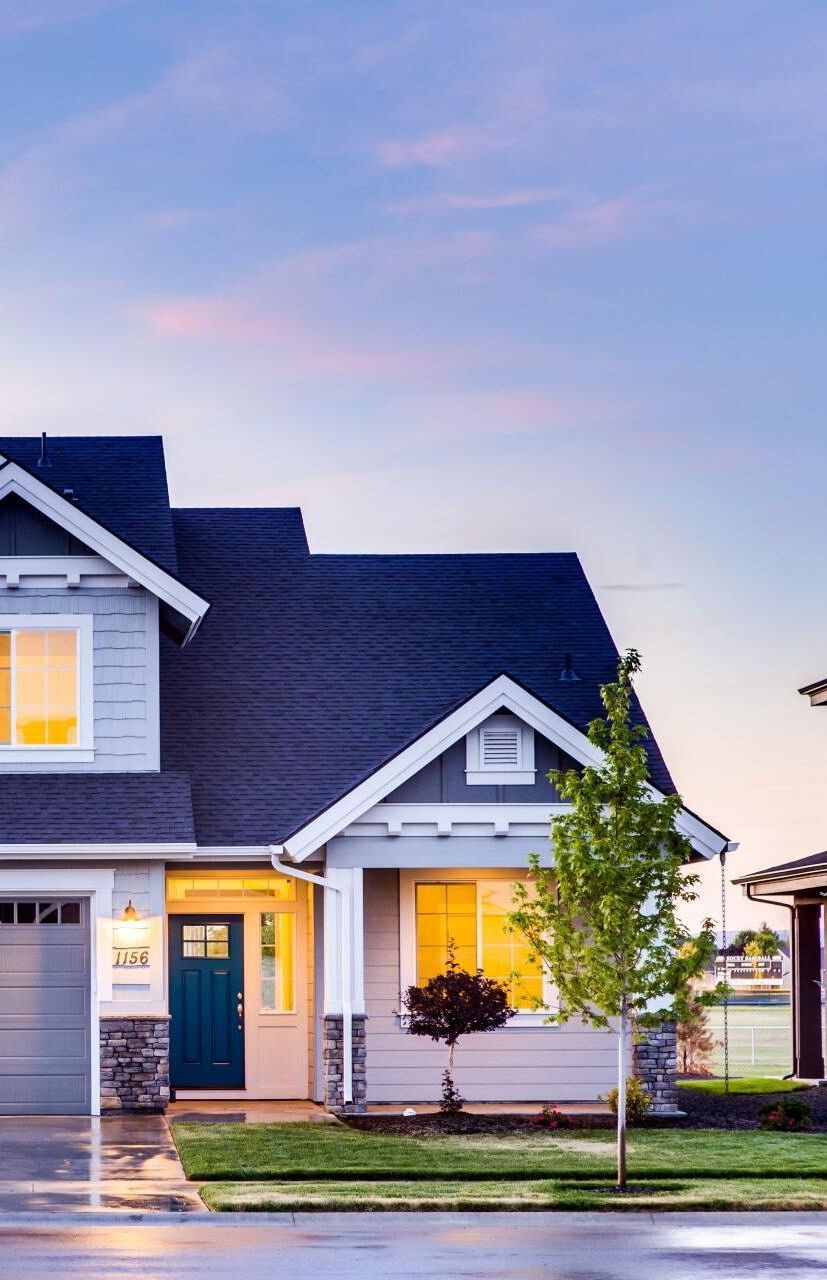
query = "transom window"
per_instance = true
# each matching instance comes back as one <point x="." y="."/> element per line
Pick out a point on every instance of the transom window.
<point x="277" y="942"/>
<point x="34" y="911"/>
<point x="472" y="914"/>
<point x="206" y="941"/>
<point x="39" y="688"/>
<point x="179" y="888"/>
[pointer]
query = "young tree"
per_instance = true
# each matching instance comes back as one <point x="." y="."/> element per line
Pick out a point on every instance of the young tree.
<point x="762" y="941"/>
<point x="695" y="1039"/>
<point x="603" y="921"/>
<point x="453" y="1004"/>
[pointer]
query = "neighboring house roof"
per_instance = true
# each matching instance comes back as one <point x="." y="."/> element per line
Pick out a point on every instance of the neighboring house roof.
<point x="816" y="692"/>
<point x="90" y="808"/>
<point x="310" y="672"/>
<point x="813" y="862"/>
<point x="119" y="481"/>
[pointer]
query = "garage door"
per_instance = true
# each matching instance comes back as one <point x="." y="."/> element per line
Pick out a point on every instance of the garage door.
<point x="44" y="1006"/>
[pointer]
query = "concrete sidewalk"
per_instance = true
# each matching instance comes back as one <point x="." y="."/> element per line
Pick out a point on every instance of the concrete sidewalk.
<point x="87" y="1164"/>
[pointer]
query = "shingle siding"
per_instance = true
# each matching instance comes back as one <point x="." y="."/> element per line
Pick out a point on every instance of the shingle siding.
<point x="125" y="673"/>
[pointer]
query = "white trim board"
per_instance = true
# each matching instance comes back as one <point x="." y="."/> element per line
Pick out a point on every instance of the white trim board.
<point x="501" y="692"/>
<point x="14" y="479"/>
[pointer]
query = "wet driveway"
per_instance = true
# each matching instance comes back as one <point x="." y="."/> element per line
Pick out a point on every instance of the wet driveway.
<point x="86" y="1163"/>
<point x="485" y="1246"/>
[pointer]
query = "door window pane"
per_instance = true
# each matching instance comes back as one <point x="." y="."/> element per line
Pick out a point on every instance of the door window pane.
<point x="277" y="944"/>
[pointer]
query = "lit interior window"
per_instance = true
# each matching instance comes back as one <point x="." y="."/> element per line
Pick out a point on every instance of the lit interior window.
<point x="473" y="915"/>
<point x="277" y="945"/>
<point x="38" y="688"/>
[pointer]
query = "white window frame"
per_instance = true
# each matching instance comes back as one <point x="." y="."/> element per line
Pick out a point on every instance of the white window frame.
<point x="275" y="909"/>
<point x="477" y="773"/>
<point x="408" y="880"/>
<point x="82" y="751"/>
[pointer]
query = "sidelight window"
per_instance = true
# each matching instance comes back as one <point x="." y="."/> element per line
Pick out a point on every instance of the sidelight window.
<point x="277" y="944"/>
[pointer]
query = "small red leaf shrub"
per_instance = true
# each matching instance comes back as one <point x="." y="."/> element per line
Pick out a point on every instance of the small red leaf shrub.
<point x="551" y="1118"/>
<point x="789" y="1115"/>
<point x="453" y="1004"/>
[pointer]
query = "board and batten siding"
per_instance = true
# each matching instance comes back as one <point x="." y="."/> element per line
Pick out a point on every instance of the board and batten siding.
<point x="567" y="1063"/>
<point x="126" y="707"/>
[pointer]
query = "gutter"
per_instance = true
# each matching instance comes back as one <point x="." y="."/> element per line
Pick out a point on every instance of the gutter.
<point x="345" y="929"/>
<point x="773" y="902"/>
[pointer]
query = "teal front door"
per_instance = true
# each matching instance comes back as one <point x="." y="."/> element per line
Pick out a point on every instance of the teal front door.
<point x="206" y="996"/>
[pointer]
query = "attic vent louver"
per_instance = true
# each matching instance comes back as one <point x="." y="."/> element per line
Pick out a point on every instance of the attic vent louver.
<point x="501" y="748"/>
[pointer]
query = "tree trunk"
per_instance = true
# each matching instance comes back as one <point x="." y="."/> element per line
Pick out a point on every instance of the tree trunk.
<point x="451" y="1048"/>
<point x="621" y="1096"/>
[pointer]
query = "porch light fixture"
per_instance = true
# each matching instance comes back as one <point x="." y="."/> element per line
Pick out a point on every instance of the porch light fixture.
<point x="129" y="912"/>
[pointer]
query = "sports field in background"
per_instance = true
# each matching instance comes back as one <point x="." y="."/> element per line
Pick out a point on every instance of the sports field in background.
<point x="760" y="1039"/>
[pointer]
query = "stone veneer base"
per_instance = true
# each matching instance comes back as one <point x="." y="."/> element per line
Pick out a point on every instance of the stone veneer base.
<point x="656" y="1065"/>
<point x="333" y="1064"/>
<point x="134" y="1062"/>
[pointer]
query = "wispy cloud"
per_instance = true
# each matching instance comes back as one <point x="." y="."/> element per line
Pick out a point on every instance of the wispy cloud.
<point x="295" y="348"/>
<point x="447" y="200"/>
<point x="17" y="17"/>
<point x="437" y="150"/>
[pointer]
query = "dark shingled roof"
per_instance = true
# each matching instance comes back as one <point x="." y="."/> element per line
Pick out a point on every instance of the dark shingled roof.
<point x="119" y="481"/>
<point x="812" y="862"/>
<point x="310" y="672"/>
<point x="91" y="808"/>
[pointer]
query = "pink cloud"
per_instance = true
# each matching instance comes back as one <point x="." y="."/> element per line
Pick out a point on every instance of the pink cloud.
<point x="292" y="348"/>
<point x="594" y="224"/>
<point x="436" y="150"/>
<point x="520" y="199"/>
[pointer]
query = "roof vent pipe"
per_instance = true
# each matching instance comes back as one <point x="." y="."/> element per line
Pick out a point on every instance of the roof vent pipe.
<point x="568" y="675"/>
<point x="44" y="460"/>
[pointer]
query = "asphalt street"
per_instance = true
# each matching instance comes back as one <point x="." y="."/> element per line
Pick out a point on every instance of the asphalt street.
<point x="567" y="1246"/>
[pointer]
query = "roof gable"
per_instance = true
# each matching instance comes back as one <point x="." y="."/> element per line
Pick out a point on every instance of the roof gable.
<point x="179" y="602"/>
<point x="312" y="672"/>
<point x="118" y="481"/>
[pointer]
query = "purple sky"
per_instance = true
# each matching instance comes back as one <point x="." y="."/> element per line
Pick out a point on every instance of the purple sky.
<point x="477" y="276"/>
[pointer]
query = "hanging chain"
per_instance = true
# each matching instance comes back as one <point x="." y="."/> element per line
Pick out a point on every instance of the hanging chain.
<point x="724" y="954"/>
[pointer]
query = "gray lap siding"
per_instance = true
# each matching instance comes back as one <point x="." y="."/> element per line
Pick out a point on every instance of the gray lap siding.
<point x="566" y="1063"/>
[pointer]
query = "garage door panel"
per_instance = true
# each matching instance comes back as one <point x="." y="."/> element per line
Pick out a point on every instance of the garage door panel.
<point x="39" y="1094"/>
<point x="35" y="1001"/>
<point x="38" y="1042"/>
<point x="45" y="1051"/>
<point x="42" y="959"/>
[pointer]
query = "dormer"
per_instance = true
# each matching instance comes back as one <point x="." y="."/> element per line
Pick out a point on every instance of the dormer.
<point x="82" y="607"/>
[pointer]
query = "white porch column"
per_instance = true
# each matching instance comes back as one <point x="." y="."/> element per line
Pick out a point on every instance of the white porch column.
<point x="344" y="1055"/>
<point x="344" y="949"/>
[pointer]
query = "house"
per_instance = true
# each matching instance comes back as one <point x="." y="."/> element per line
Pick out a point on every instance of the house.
<point x="247" y="793"/>
<point x="801" y="887"/>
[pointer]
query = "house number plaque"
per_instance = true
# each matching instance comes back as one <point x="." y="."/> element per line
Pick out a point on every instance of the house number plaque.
<point x="130" y="957"/>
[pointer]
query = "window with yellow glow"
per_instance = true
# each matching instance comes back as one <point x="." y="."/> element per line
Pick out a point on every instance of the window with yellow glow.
<point x="473" y="915"/>
<point x="38" y="688"/>
<point x="277" y="951"/>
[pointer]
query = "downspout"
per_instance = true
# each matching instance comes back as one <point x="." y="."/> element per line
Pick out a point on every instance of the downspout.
<point x="345" y="941"/>
<point x="773" y="902"/>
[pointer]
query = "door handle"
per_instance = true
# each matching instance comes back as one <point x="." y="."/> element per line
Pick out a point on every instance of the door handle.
<point x="240" y="1011"/>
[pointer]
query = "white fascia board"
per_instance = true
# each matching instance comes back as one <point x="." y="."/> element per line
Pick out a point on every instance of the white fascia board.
<point x="100" y="850"/>
<point x="501" y="692"/>
<point x="13" y="479"/>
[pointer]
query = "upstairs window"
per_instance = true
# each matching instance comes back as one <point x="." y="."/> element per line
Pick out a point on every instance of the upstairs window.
<point x="38" y="688"/>
<point x="45" y="686"/>
<point x="500" y="752"/>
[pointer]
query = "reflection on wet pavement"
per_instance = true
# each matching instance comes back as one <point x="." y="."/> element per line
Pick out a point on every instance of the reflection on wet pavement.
<point x="86" y="1163"/>
<point x="379" y="1246"/>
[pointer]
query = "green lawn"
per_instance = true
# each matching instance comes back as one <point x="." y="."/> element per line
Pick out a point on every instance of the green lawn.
<point x="775" y="1193"/>
<point x="744" y="1084"/>
<point x="334" y="1153"/>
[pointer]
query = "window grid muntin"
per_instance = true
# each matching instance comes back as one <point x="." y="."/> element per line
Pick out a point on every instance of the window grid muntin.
<point x="523" y="992"/>
<point x="16" y="666"/>
<point x="40" y="911"/>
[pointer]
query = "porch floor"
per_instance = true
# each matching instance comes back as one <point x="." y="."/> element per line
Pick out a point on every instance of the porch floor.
<point x="249" y="1112"/>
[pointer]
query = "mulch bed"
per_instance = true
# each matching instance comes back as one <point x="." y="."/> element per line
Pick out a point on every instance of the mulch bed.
<point x="703" y="1111"/>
